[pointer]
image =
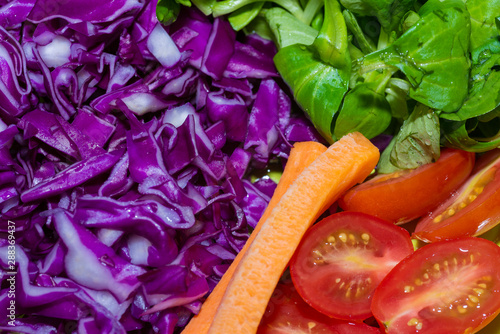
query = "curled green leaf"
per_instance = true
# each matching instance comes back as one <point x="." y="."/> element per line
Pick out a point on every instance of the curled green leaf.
<point x="287" y="29"/>
<point x="397" y="95"/>
<point x="319" y="74"/>
<point x="317" y="86"/>
<point x="365" y="108"/>
<point x="365" y="44"/>
<point x="225" y="7"/>
<point x="418" y="141"/>
<point x="205" y="6"/>
<point x="463" y="135"/>
<point x="242" y="17"/>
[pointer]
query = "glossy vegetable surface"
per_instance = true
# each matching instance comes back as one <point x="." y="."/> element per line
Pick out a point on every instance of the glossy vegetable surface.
<point x="452" y="285"/>
<point x="472" y="210"/>
<point x="408" y="194"/>
<point x="343" y="258"/>
<point x="287" y="312"/>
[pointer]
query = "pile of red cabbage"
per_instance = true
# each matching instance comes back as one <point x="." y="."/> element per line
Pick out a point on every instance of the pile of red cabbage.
<point x="126" y="148"/>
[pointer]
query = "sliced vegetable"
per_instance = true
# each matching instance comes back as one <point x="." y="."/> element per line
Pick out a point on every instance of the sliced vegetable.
<point x="346" y="162"/>
<point x="405" y="195"/>
<point x="450" y="285"/>
<point x="472" y="210"/>
<point x="301" y="156"/>
<point x="287" y="312"/>
<point x="343" y="258"/>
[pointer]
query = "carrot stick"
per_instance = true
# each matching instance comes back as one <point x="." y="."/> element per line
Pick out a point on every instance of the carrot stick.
<point x="346" y="162"/>
<point x="301" y="156"/>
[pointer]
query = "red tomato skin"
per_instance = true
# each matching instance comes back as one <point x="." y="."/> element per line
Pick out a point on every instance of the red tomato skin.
<point x="479" y="216"/>
<point x="288" y="313"/>
<point x="400" y="199"/>
<point x="376" y="258"/>
<point x="400" y="304"/>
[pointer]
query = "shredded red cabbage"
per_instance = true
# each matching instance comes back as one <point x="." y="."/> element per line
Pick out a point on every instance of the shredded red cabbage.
<point x="126" y="149"/>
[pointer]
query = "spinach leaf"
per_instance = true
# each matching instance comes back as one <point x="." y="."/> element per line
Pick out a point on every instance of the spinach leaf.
<point x="318" y="74"/>
<point x="241" y="17"/>
<point x="365" y="44"/>
<point x="397" y="95"/>
<point x="287" y="29"/>
<point x="461" y="135"/>
<point x="260" y="26"/>
<point x="408" y="21"/>
<point x="228" y="6"/>
<point x="483" y="14"/>
<point x="484" y="91"/>
<point x="433" y="54"/>
<point x="388" y="12"/>
<point x="205" y="6"/>
<point x="418" y="141"/>
<point x="365" y="108"/>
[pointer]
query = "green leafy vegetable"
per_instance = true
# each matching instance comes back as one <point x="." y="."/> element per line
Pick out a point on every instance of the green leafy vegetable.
<point x="464" y="135"/>
<point x="433" y="54"/>
<point x="168" y="10"/>
<point x="243" y="16"/>
<point x="287" y="29"/>
<point x="365" y="108"/>
<point x="418" y="141"/>
<point x="364" y="42"/>
<point x="319" y="73"/>
<point x="228" y="6"/>
<point x="205" y="6"/>
<point x="388" y="12"/>
<point x="397" y="95"/>
<point x="379" y="66"/>
<point x="483" y="14"/>
<point x="484" y="92"/>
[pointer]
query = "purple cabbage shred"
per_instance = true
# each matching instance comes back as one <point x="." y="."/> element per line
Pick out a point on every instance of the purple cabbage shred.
<point x="126" y="153"/>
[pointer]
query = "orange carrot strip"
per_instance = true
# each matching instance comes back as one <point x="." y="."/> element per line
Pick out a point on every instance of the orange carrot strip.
<point x="301" y="156"/>
<point x="346" y="162"/>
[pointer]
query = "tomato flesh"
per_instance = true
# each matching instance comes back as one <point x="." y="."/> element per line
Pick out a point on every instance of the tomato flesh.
<point x="451" y="286"/>
<point x="473" y="210"/>
<point x="341" y="260"/>
<point x="406" y="195"/>
<point x="288" y="313"/>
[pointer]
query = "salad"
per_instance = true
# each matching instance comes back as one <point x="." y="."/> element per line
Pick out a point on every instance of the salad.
<point x="139" y="141"/>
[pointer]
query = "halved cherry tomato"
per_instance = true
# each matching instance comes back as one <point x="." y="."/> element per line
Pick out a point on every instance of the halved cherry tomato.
<point x="473" y="210"/>
<point x="288" y="313"/>
<point x="409" y="194"/>
<point x="341" y="260"/>
<point x="450" y="286"/>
